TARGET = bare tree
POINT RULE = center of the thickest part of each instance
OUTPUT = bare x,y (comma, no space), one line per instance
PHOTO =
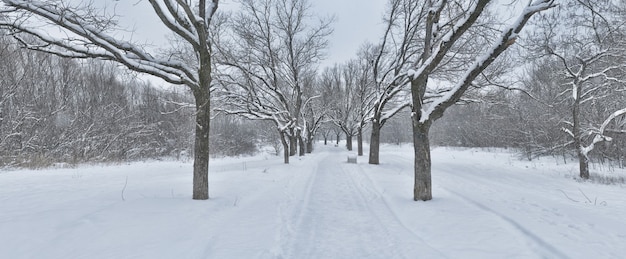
91,35
329,83
347,108
388,61
274,49
359,91
314,114
325,131
445,24
590,50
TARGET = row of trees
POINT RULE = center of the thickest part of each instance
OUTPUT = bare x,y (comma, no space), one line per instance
431,54
261,64
267,68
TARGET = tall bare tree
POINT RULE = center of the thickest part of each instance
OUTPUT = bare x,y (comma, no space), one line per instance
357,78
274,50
388,61
447,23
348,95
87,32
314,112
589,49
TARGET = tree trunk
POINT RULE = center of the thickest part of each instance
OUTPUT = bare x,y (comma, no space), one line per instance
309,147
293,145
359,141
285,147
201,145
583,160
301,146
349,142
325,140
309,143
583,165
375,144
337,138
422,189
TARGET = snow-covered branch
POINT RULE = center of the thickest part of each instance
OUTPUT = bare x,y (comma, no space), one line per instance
608,120
91,40
507,38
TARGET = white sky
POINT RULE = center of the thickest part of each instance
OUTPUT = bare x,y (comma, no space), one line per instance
356,21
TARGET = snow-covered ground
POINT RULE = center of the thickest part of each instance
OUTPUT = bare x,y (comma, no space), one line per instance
486,205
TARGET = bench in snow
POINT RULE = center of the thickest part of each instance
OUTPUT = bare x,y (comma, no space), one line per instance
352,159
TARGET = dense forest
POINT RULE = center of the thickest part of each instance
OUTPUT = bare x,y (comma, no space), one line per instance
56,110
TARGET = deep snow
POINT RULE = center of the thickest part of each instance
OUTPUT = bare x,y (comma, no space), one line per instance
486,205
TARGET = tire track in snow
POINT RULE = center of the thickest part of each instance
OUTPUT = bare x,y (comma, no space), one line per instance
292,211
340,214
272,215
335,221
368,185
531,239
536,241
360,187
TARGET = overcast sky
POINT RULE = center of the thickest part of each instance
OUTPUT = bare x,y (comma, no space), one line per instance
355,22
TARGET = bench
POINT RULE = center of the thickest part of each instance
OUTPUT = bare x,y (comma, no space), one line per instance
352,159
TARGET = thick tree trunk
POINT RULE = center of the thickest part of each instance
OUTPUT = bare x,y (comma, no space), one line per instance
583,165
293,145
375,144
338,135
201,145
349,142
422,189
285,147
325,140
359,141
301,146
309,143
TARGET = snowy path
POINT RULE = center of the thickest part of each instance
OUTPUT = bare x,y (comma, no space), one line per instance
512,210
486,205
340,216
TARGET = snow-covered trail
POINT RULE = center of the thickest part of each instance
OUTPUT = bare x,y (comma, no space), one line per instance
510,208
341,215
486,205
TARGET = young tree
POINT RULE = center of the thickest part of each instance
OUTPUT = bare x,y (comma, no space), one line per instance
90,34
445,24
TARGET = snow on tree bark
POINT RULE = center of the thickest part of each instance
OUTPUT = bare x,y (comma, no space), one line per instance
436,47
